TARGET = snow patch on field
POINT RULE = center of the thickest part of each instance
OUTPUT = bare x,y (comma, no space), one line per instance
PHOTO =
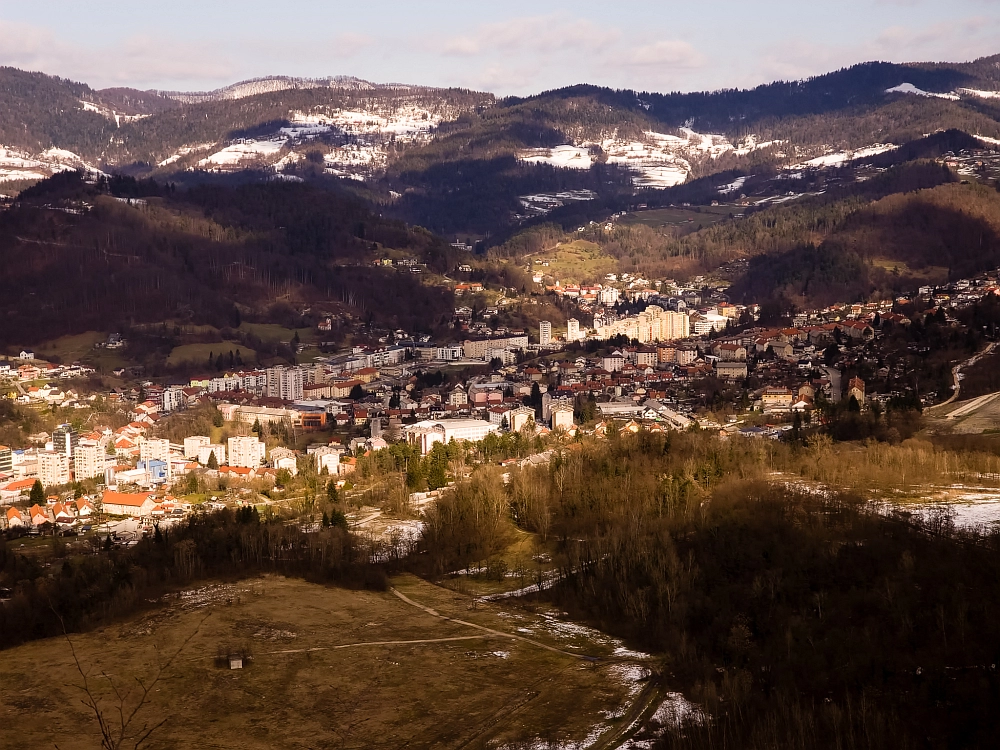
245,151
658,160
980,93
18,165
733,186
540,204
184,151
565,157
838,158
909,88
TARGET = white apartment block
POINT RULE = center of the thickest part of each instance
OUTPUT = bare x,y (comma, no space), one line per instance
194,444
544,332
89,461
206,451
155,450
479,348
653,324
285,383
572,330
173,399
53,468
246,452
608,296
424,434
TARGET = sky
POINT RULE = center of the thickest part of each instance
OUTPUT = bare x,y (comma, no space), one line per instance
515,47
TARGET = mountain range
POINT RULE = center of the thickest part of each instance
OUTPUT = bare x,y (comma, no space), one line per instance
470,166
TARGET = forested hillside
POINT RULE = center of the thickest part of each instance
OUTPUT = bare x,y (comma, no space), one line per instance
75,258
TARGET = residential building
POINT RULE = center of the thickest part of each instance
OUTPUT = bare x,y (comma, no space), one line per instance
544,332
89,461
65,439
572,330
479,348
283,458
194,444
246,451
205,451
614,362
127,504
157,448
328,457
53,468
285,383
731,369
562,416
6,460
647,356
777,399
427,432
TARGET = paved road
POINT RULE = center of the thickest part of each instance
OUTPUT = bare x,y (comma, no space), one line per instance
956,371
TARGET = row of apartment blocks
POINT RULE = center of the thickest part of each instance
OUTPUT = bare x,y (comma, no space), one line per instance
653,324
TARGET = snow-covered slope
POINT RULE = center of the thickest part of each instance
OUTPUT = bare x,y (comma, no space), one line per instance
658,160
909,88
354,142
17,165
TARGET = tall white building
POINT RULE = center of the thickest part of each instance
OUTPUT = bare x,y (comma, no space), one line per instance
156,450
173,399
544,332
218,449
608,296
53,468
572,330
89,460
65,439
285,383
653,324
246,451
194,444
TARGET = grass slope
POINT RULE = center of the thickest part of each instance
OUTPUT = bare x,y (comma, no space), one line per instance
306,685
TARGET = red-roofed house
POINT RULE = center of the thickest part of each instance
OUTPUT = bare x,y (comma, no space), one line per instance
14,518
128,503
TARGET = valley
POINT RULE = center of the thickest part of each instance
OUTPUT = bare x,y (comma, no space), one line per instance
338,413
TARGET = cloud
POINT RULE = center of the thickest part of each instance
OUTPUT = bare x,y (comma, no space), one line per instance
134,60
667,52
544,35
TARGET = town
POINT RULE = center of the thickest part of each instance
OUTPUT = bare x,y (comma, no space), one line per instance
658,356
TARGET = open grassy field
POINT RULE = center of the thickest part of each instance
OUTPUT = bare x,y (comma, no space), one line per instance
929,274
577,262
330,668
70,348
273,333
199,352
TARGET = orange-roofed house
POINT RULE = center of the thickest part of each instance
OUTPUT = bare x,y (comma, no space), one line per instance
83,508
63,513
128,503
38,515
13,490
14,518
